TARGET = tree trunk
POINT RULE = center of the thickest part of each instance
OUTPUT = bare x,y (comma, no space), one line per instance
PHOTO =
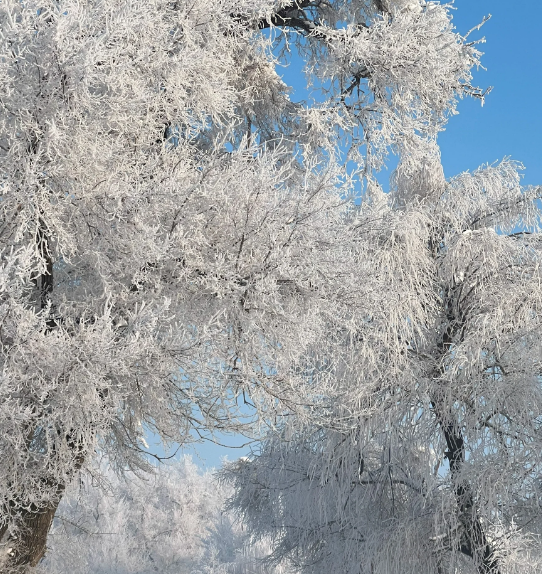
474,542
29,547
30,524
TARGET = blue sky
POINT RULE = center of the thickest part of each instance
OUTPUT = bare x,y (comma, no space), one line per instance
509,124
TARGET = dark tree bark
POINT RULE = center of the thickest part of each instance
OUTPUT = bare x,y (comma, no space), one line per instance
31,523
474,542
291,17
30,545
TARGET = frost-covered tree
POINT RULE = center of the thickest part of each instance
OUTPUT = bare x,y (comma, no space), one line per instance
430,459
132,525
176,235
172,522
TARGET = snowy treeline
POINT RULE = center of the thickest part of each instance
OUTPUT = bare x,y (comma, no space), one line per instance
172,521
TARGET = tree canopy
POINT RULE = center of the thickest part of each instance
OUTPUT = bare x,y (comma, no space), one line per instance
186,250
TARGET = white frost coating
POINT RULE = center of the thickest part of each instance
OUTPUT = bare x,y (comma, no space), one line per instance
150,275
413,62
429,457
398,5
173,522
179,246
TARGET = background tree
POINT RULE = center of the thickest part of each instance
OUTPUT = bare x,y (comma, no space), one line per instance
177,235
172,522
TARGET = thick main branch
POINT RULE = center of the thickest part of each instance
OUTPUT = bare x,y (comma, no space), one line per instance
291,17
